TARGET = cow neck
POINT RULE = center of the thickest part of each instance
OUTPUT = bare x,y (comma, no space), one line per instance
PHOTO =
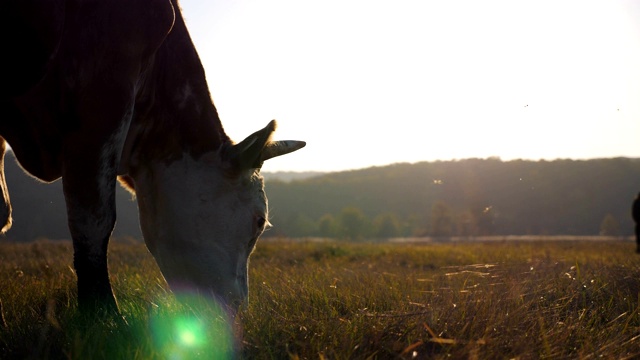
180,117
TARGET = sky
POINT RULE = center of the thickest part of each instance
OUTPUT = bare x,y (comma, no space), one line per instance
370,83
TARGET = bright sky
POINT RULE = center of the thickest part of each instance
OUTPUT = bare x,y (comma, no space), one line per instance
369,82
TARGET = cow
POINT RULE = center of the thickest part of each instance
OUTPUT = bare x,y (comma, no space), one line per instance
99,91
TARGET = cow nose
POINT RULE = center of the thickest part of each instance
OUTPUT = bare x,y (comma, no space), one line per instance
236,304
239,294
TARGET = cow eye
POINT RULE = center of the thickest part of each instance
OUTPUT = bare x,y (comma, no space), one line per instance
261,222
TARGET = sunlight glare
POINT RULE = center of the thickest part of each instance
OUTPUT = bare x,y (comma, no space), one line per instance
437,80
194,328
190,331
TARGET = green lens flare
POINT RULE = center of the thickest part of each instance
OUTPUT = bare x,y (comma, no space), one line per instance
192,329
190,332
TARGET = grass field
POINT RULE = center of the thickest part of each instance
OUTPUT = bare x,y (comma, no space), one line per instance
489,300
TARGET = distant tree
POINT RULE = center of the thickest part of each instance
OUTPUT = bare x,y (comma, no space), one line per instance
483,217
327,226
303,225
466,224
415,225
609,226
441,220
486,221
352,223
386,226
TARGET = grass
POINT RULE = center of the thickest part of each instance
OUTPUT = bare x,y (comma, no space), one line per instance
490,300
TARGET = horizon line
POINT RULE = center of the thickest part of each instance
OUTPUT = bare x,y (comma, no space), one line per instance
498,158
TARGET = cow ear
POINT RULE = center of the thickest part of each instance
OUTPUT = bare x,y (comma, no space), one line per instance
247,153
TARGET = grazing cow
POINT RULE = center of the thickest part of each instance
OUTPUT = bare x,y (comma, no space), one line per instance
95,91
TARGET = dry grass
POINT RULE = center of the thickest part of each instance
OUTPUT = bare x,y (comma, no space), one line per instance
524,300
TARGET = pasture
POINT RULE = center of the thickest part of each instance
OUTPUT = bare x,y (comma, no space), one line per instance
328,300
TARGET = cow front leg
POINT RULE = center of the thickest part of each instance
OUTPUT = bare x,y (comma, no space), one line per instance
89,188
5,203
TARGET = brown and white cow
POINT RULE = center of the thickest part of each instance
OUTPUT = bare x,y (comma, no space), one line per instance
97,90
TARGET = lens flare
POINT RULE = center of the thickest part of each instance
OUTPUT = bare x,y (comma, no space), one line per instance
193,328
190,332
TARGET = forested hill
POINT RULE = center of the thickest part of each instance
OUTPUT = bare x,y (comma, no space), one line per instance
39,209
465,197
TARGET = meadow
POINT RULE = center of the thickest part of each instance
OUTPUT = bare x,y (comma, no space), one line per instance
332,300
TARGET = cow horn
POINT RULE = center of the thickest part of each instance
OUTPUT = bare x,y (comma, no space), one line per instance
251,152
277,148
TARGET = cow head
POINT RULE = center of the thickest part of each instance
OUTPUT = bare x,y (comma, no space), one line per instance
201,217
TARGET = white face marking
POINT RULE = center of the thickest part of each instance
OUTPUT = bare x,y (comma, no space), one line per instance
201,225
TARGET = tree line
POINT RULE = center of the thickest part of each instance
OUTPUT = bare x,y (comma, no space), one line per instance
471,197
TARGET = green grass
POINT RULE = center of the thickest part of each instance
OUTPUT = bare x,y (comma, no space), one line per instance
524,300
